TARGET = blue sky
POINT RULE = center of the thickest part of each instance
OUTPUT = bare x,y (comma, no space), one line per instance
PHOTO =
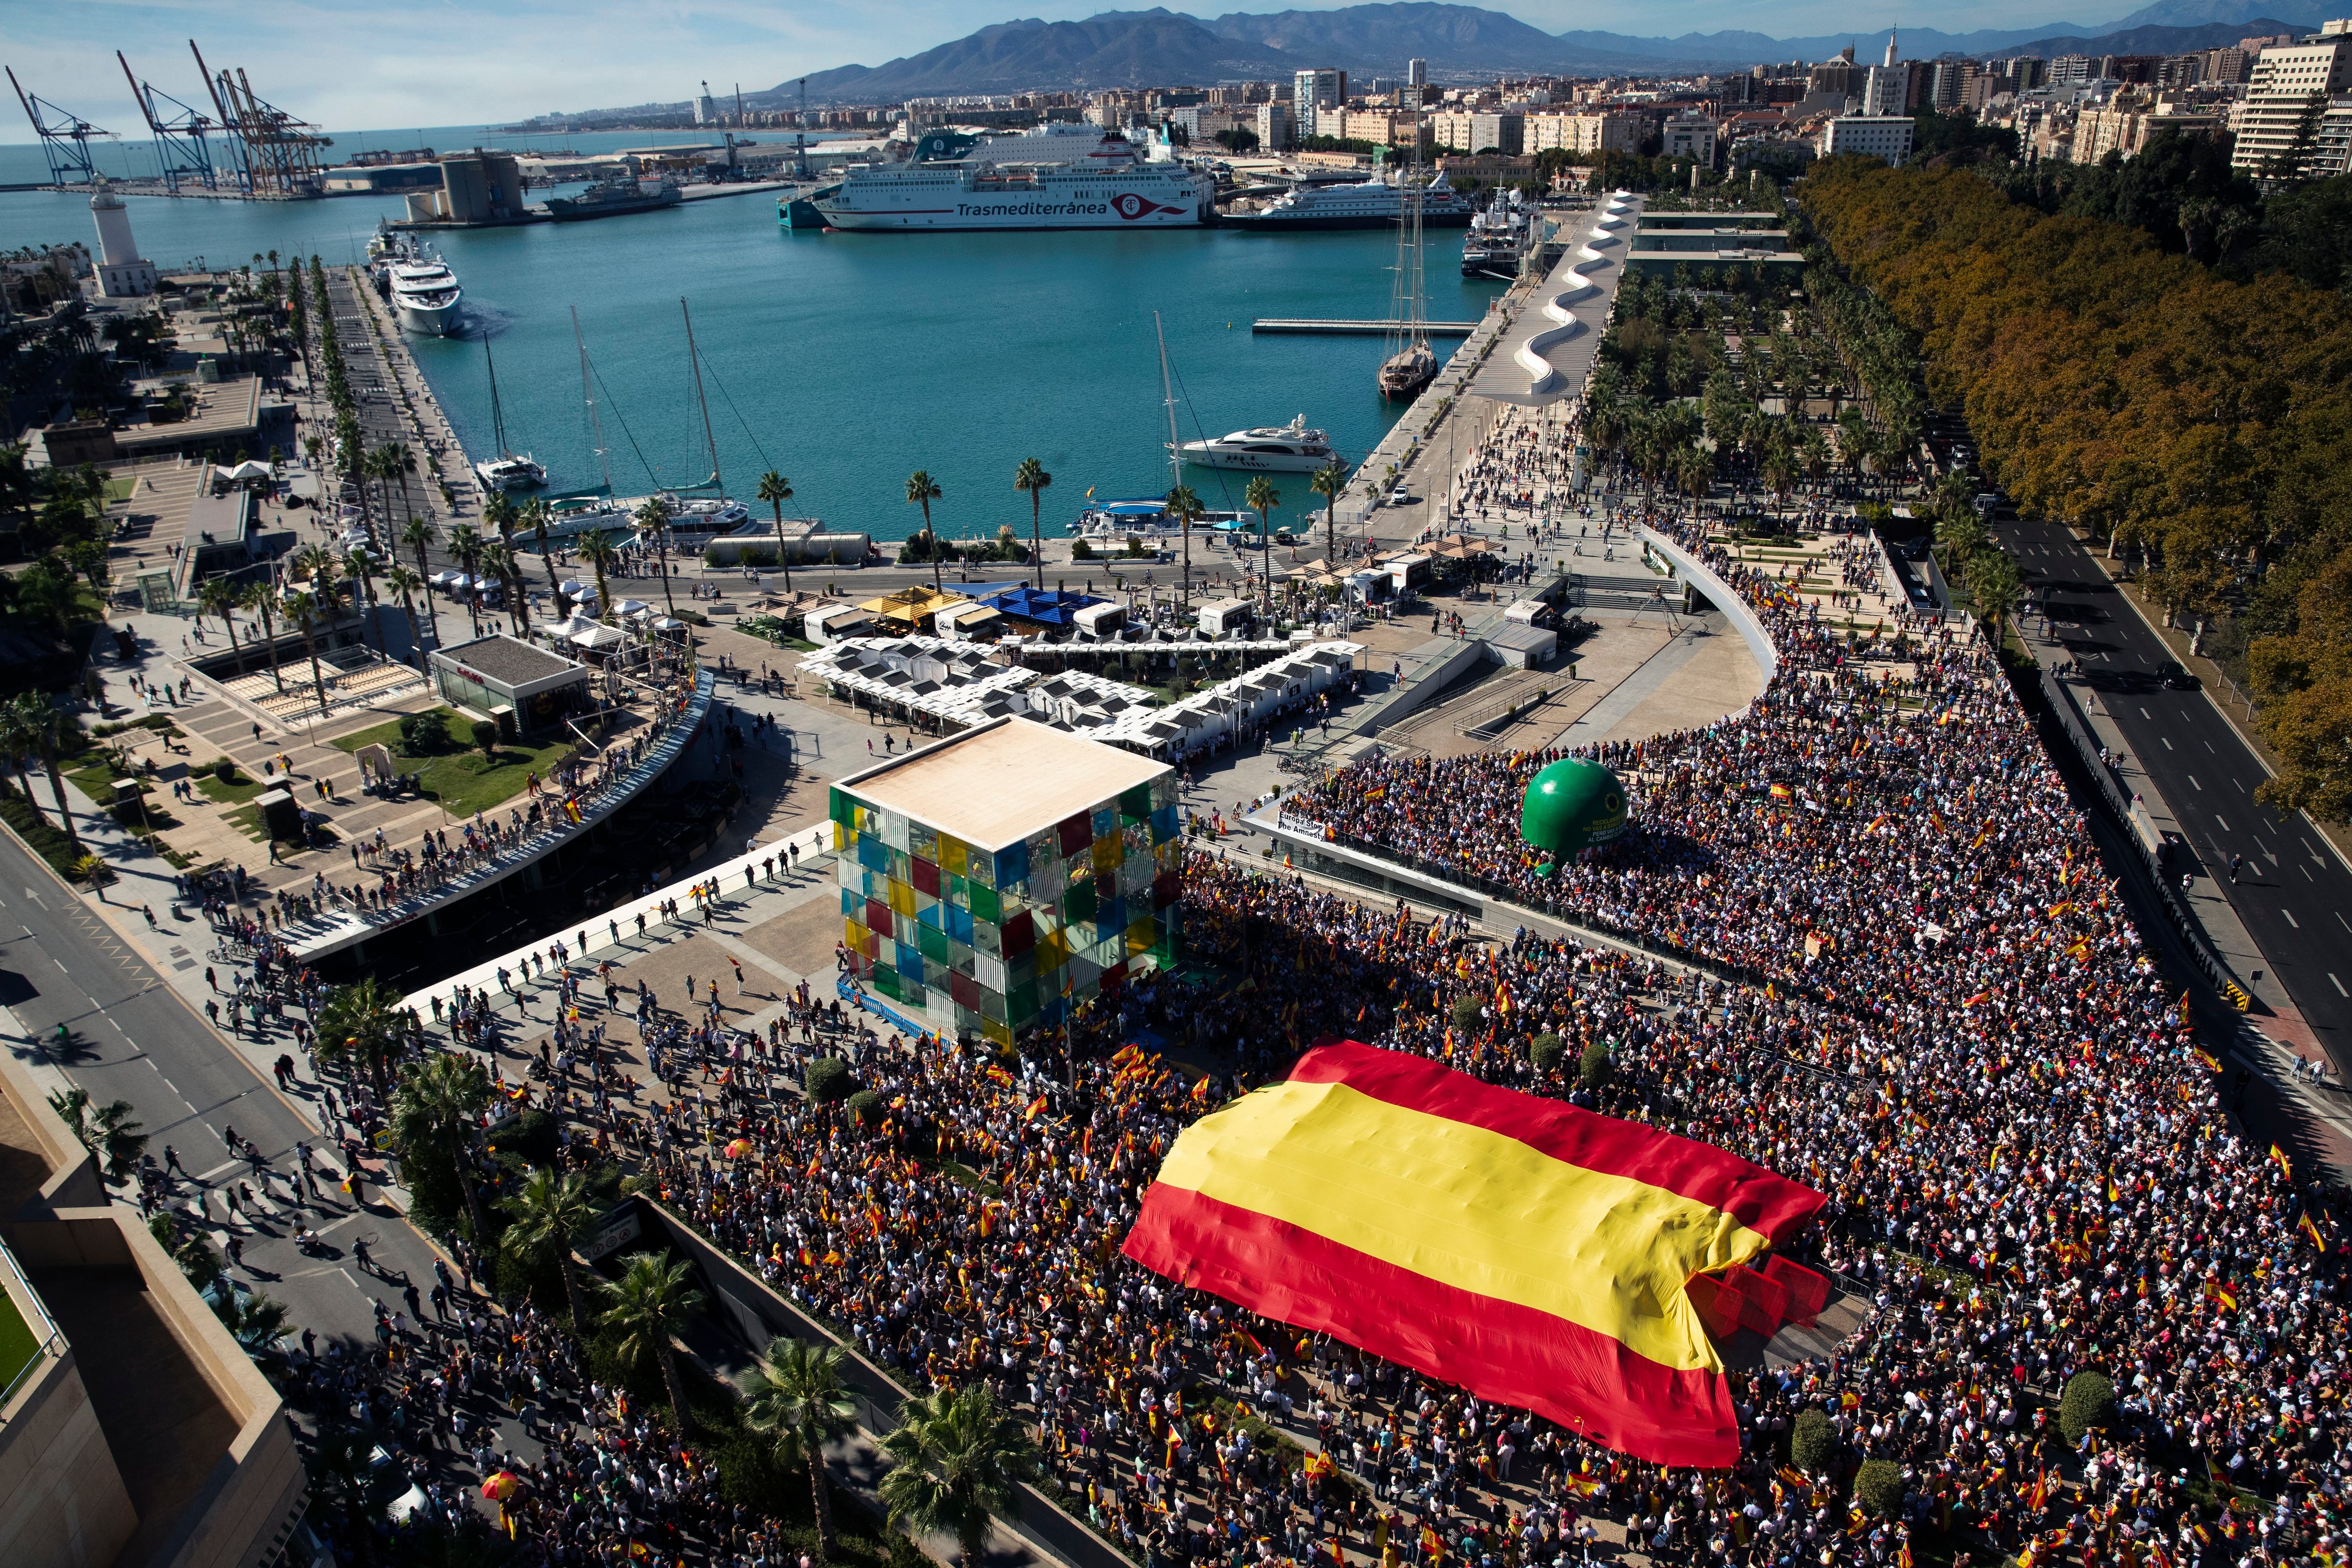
347,65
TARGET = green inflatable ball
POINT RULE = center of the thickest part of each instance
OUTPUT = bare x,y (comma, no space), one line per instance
1571,806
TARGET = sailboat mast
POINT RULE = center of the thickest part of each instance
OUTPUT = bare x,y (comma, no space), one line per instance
694,357
1413,192
1175,454
588,397
497,415
1168,395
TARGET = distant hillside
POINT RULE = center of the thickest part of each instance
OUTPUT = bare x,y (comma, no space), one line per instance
1132,49
2232,13
2156,40
1154,47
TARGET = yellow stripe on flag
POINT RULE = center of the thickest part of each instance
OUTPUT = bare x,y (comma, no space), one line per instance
1458,1204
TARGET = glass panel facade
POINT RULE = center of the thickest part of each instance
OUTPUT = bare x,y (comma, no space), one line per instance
999,941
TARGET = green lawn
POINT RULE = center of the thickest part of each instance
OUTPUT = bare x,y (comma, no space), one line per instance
460,778
17,1345
237,793
119,489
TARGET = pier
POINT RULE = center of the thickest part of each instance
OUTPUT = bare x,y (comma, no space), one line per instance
1309,326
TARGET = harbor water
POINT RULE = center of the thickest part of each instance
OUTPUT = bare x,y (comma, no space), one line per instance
845,362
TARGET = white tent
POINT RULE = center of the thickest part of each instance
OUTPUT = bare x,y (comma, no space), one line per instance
246,470
594,635
631,607
666,623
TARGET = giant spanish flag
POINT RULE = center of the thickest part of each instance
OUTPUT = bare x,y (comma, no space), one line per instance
1531,1252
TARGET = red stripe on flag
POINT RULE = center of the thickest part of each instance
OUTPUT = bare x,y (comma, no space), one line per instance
1498,1350
1769,1204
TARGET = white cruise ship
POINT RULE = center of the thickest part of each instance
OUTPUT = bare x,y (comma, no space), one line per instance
425,293
1376,203
1107,186
1291,448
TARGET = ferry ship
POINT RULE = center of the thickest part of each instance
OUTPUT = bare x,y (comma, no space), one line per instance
1377,203
1291,448
1107,187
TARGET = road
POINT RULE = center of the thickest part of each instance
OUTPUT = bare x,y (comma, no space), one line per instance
2293,894
132,1037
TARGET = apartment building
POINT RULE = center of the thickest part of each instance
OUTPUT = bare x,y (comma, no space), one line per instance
1611,130
1312,94
2286,79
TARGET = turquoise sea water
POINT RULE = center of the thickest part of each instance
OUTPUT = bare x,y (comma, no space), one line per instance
847,361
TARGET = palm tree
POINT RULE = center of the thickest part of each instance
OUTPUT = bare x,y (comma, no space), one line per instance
776,490
361,1024
1262,498
108,1131
303,610
597,549
1184,506
922,489
402,467
499,560
360,567
220,596
466,548
651,1305
18,734
958,1465
653,519
259,598
41,721
794,1392
318,563
441,1099
1032,477
535,514
405,583
418,535
1327,482
549,1212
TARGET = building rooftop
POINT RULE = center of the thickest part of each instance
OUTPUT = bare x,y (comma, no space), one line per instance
506,660
1003,782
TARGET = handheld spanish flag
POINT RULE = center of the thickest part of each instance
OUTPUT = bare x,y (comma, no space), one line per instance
2304,1224
2278,1157
1535,1253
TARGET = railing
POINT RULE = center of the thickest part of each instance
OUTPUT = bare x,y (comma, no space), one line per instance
47,1341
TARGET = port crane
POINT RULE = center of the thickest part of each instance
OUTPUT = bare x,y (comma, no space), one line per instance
65,138
179,131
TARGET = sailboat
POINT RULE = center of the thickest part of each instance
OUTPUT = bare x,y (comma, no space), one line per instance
508,470
1410,365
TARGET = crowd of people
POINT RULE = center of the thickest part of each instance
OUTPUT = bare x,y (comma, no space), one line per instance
1869,945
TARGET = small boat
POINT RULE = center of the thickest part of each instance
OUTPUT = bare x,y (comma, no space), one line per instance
513,472
1407,373
1291,448
1144,517
509,471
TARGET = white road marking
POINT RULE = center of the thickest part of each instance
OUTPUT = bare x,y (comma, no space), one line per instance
2337,983
2192,779
2291,919
2225,826
2167,742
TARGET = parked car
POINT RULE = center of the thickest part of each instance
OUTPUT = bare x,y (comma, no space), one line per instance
2173,676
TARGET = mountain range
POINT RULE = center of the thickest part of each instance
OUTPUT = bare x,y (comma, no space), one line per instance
1140,49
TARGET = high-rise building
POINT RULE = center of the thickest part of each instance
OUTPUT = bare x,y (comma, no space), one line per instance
706,109
1890,50
1274,127
1884,90
1312,91
2290,81
1416,73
